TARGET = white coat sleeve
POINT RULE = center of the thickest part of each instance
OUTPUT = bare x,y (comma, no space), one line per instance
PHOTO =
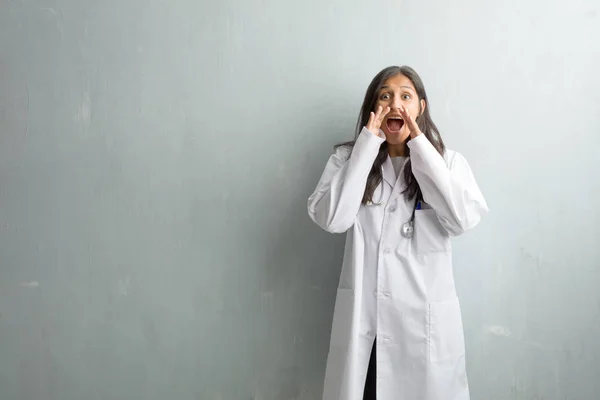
337,198
451,190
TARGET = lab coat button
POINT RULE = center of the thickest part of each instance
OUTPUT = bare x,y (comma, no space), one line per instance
386,251
392,209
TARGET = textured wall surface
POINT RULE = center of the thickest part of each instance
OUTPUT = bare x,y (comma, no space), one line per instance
156,157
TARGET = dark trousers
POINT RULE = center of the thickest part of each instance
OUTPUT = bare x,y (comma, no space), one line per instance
370,386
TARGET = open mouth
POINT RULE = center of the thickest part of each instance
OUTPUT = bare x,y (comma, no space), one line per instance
394,124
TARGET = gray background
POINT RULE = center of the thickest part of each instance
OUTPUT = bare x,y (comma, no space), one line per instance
156,157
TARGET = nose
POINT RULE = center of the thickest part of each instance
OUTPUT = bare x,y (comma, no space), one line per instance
396,102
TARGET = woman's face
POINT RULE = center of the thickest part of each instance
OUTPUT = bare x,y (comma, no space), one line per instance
398,91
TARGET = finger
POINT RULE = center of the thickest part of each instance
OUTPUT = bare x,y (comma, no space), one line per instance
383,113
404,112
371,119
371,116
407,117
413,126
377,112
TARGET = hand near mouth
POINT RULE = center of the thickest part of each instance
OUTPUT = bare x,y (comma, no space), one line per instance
410,122
375,120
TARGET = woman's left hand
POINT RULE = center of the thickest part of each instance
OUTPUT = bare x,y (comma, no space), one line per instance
410,122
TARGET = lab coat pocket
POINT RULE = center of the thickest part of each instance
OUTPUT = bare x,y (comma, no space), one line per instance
446,335
429,235
342,317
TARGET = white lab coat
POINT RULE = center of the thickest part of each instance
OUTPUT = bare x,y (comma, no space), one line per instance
397,289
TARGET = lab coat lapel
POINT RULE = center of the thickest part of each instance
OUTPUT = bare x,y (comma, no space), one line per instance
389,175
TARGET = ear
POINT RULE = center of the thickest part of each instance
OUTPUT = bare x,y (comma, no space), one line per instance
423,105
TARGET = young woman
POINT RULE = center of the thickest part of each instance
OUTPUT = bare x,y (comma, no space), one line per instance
400,195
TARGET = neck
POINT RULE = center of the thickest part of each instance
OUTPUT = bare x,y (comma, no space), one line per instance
397,150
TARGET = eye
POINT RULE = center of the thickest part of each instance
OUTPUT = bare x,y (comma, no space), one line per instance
385,96
406,97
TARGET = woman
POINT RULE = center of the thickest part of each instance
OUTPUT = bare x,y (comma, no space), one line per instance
400,195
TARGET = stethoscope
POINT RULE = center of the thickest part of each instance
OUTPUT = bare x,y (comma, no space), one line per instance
408,228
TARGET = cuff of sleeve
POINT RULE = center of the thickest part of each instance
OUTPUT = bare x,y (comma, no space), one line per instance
419,142
367,142
371,135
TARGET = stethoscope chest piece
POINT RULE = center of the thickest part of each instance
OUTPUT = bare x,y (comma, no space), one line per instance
408,229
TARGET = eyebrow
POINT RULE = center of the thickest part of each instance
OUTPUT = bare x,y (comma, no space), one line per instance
407,87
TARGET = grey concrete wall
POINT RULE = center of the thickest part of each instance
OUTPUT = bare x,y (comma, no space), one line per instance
156,157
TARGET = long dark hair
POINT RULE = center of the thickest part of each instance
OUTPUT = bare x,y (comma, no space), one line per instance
424,122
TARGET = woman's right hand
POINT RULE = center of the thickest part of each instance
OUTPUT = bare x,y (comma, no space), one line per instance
376,119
